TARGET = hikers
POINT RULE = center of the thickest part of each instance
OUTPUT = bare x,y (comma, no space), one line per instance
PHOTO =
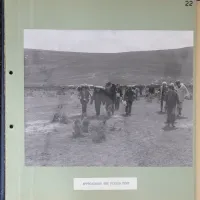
119,95
111,96
182,94
129,97
97,97
172,100
84,96
163,91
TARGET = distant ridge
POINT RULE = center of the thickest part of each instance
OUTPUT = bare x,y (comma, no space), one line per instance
54,68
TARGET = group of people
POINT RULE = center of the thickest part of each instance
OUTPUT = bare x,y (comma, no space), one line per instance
171,97
110,95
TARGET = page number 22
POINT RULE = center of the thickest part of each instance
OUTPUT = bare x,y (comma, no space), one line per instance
188,3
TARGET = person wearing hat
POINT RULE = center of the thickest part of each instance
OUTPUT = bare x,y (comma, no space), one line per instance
152,89
172,100
163,91
97,97
182,94
150,92
84,96
129,97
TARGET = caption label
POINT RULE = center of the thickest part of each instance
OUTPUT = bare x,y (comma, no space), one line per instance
105,183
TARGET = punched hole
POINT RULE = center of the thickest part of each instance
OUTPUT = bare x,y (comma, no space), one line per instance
11,72
11,126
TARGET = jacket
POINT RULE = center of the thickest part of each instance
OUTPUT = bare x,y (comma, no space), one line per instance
182,92
172,99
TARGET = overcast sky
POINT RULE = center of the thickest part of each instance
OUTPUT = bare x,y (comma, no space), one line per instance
106,41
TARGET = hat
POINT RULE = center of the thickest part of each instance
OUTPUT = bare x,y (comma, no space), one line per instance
108,84
177,82
171,86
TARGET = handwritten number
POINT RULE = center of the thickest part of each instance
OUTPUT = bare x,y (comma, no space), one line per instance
188,3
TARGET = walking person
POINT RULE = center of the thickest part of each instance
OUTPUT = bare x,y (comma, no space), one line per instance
136,91
163,91
146,92
172,100
152,90
84,96
129,97
182,94
141,89
158,95
119,95
97,97
110,97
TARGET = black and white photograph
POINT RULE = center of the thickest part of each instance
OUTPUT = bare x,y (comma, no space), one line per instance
108,98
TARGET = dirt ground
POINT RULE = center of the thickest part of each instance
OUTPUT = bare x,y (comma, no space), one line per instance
138,140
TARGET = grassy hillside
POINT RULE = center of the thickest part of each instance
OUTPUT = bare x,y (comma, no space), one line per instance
51,68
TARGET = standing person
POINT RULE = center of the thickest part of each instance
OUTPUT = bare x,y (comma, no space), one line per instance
172,100
141,89
182,93
137,93
146,91
84,95
119,95
163,91
110,96
97,97
129,97
151,90
158,94
135,89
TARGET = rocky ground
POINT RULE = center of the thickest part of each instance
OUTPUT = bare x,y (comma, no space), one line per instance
139,140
